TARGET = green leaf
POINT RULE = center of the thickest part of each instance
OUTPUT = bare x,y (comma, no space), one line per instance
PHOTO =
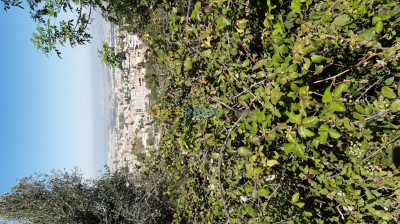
333,133
310,121
323,128
324,191
188,63
296,6
225,21
206,53
319,69
389,81
295,118
295,198
317,58
252,129
323,133
323,136
327,97
307,63
275,95
258,115
292,68
215,155
272,162
298,149
379,27
246,96
263,192
283,49
253,213
241,24
277,58
341,20
357,116
360,109
336,106
376,19
362,9
312,171
368,34
388,92
304,132
244,151
196,12
288,147
258,65
337,93
308,214
222,21
395,106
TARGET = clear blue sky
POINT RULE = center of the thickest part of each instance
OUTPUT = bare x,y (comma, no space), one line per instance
48,106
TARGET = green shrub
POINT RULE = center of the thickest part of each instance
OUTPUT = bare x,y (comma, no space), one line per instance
65,197
309,94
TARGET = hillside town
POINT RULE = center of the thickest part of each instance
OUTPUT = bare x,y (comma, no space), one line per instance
133,131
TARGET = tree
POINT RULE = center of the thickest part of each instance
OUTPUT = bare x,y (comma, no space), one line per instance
51,31
109,57
65,197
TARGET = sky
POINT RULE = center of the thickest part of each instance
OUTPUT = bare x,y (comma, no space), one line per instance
51,109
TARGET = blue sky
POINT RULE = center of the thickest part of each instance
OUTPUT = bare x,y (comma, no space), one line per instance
50,108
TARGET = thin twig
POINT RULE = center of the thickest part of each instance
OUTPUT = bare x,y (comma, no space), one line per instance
370,88
270,196
375,116
245,49
383,147
319,94
221,151
223,64
215,100
337,207
187,13
227,106
254,84
366,57
334,3
285,220
333,77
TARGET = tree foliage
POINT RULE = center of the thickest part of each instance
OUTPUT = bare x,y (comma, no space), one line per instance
109,57
65,197
53,31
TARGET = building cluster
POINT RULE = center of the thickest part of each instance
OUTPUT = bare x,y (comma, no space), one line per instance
133,131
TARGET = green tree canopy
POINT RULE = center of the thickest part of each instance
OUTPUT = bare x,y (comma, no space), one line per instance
53,31
109,57
66,197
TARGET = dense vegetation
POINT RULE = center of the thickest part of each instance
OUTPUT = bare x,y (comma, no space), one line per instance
65,197
309,92
309,95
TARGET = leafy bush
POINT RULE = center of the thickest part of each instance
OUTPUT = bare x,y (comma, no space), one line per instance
65,197
309,94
